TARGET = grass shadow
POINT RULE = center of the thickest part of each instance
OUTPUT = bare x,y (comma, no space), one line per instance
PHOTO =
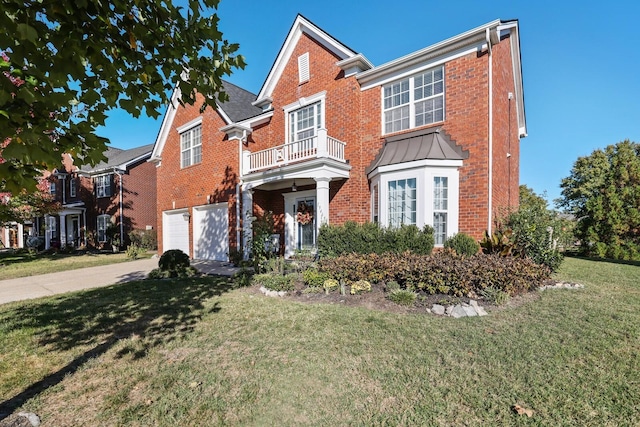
609,260
91,322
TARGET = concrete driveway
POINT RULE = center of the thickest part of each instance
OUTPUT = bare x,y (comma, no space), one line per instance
74,280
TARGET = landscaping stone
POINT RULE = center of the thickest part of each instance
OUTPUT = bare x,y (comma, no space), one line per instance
21,419
458,311
470,311
438,309
271,293
562,285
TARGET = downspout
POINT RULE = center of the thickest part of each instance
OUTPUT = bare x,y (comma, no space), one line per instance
490,201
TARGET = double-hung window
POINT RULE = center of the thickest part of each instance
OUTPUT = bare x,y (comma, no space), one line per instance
402,202
103,223
52,227
304,122
103,186
191,147
440,208
72,187
414,101
52,188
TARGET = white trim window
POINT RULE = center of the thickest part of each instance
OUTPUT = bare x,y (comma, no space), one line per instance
440,208
375,204
102,225
304,122
52,188
191,147
72,187
402,202
103,185
52,227
414,101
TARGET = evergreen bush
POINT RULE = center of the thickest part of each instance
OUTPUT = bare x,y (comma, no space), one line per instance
462,244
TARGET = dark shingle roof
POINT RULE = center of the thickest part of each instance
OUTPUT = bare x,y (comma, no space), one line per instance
117,157
423,144
238,107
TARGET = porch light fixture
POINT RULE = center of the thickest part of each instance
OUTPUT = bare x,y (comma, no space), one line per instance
186,216
294,187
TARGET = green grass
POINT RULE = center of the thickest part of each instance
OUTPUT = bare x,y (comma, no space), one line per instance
23,264
197,352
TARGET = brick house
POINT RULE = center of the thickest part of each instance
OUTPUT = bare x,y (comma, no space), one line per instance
120,191
429,138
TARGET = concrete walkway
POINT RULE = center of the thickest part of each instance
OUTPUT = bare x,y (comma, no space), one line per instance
74,280
94,277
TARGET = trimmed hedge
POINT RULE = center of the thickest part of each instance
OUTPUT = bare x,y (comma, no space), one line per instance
337,240
443,272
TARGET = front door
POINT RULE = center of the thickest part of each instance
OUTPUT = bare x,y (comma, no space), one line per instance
305,219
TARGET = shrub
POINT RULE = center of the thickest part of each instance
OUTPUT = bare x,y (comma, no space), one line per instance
500,242
263,228
243,278
329,285
392,285
133,251
145,239
360,286
156,273
403,297
175,262
462,244
494,295
313,278
274,282
336,240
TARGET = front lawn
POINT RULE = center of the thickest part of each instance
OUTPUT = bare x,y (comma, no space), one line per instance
197,352
14,264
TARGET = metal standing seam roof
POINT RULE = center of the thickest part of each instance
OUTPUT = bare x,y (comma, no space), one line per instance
431,143
238,107
117,157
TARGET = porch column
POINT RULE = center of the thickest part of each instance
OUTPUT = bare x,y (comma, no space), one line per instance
47,232
20,235
63,230
322,194
247,219
5,239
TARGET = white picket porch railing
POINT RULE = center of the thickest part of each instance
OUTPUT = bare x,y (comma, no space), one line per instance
319,146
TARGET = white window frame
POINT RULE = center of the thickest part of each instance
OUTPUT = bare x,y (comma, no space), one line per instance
72,187
424,172
191,146
400,99
52,188
404,215
291,109
440,207
103,185
52,227
105,221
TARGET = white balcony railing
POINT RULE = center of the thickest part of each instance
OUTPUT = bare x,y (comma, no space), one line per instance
319,146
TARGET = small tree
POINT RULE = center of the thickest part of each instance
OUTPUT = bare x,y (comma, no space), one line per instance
603,194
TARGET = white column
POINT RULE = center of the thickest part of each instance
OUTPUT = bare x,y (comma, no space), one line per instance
322,194
322,143
20,235
6,236
63,231
47,232
246,162
247,219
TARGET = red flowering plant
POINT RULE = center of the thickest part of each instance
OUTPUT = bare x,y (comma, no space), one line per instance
305,213
25,206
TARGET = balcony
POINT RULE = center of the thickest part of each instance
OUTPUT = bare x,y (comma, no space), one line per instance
320,146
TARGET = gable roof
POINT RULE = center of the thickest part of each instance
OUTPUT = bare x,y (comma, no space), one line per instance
433,144
239,105
119,159
301,25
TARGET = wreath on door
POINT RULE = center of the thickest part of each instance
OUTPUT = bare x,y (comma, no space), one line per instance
305,213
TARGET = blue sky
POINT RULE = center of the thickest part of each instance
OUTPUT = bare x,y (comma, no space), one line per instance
581,64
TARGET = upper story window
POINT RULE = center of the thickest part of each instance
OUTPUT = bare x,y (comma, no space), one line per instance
304,122
415,101
52,188
103,186
191,147
72,187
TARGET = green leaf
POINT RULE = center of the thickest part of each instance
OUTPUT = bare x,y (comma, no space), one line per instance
27,32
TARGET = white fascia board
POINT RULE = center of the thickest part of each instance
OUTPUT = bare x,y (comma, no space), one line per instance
190,124
223,114
414,67
301,102
124,166
517,78
354,65
165,127
417,164
441,48
253,121
300,26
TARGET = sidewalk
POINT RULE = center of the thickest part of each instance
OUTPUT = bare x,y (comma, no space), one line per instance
74,280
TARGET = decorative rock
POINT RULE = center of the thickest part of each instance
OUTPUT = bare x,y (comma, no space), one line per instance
33,418
562,285
271,293
458,311
470,311
448,310
438,309
481,311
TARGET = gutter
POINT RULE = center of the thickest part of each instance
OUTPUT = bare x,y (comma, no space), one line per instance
490,192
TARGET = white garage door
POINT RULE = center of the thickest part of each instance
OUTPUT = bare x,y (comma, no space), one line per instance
175,231
211,232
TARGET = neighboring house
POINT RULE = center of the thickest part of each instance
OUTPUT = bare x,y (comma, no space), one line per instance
431,138
120,191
